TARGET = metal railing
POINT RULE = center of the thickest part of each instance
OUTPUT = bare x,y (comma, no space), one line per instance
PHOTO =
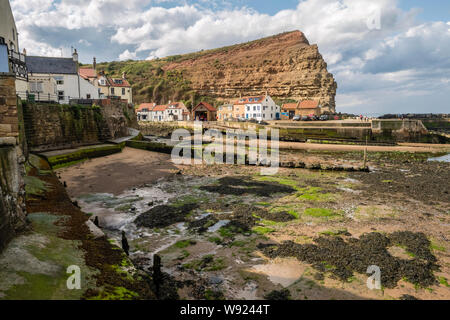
18,64
44,97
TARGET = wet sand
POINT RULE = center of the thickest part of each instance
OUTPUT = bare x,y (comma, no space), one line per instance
116,173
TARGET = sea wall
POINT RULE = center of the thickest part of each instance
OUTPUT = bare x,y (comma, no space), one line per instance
12,160
54,126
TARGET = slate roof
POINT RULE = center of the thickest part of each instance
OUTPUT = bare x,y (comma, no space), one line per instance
51,65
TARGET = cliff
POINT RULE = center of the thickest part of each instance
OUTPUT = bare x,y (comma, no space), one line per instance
285,65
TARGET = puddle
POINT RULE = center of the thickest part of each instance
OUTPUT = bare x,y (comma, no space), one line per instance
445,158
218,225
283,271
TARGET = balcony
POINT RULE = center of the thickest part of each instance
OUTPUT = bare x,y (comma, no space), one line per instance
18,64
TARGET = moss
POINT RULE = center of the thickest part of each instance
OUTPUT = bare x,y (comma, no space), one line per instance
443,281
319,212
314,194
118,293
82,154
35,186
185,243
216,240
262,230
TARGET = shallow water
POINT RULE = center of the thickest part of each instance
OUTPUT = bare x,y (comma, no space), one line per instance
445,158
283,271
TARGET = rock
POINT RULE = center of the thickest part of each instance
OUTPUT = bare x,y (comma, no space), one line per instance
95,231
215,280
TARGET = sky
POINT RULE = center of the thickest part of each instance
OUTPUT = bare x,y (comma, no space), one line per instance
387,56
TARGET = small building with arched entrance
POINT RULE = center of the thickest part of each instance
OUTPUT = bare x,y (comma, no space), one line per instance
204,112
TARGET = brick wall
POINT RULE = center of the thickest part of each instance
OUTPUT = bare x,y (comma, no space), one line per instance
9,124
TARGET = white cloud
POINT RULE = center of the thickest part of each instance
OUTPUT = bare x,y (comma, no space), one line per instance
127,55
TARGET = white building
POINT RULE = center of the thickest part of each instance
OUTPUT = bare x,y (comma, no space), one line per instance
9,42
176,111
259,108
69,84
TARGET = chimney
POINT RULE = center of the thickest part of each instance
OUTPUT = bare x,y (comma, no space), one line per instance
75,55
95,64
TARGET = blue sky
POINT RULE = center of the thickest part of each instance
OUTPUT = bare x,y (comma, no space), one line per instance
387,56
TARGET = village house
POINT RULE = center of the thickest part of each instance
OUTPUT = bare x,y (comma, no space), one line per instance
225,112
158,113
204,112
69,84
176,111
258,108
144,111
118,88
289,110
11,60
309,108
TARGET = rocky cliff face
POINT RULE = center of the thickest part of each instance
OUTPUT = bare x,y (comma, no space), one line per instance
285,65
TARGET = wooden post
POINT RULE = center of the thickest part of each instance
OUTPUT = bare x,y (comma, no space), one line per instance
365,155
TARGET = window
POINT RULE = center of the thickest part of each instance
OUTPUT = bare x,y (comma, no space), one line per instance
60,95
60,82
123,91
14,34
254,108
112,90
88,96
248,108
36,87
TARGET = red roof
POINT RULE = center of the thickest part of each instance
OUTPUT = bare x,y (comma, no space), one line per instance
88,73
290,106
148,106
177,105
124,82
309,104
207,106
249,100
160,108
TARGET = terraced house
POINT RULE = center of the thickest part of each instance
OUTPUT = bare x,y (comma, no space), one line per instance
258,108
176,111
64,71
118,88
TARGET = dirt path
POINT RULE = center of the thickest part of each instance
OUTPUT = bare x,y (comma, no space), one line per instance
116,173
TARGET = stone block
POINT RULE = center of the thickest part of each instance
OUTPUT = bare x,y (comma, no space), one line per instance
5,128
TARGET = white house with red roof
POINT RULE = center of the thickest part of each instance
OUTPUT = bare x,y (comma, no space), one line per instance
261,108
175,111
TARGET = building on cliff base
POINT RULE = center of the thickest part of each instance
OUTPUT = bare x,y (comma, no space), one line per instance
225,112
261,108
175,111
289,110
309,108
204,112
303,108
